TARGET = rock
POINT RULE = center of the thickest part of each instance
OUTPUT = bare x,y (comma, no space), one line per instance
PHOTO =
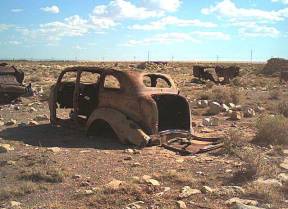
210,121
130,151
243,206
16,108
11,122
114,184
206,189
33,123
269,182
181,204
186,191
146,177
202,103
236,115
32,109
283,177
22,125
39,118
76,176
232,106
153,182
128,158
5,148
11,162
249,113
136,164
2,123
230,190
284,164
84,184
238,107
285,151
260,109
235,200
15,204
88,192
215,108
225,108
54,149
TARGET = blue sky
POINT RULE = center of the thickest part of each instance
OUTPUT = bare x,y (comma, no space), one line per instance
128,29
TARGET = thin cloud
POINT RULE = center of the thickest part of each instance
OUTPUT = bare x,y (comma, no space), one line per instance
52,9
17,10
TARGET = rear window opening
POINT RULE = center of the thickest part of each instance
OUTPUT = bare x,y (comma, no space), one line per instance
156,81
173,112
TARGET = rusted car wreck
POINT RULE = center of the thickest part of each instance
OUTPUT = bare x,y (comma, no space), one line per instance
11,83
222,75
141,108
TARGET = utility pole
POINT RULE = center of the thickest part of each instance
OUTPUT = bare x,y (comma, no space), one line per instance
251,56
148,56
172,59
134,58
217,59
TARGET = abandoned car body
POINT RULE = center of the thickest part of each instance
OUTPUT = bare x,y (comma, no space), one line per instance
138,106
11,83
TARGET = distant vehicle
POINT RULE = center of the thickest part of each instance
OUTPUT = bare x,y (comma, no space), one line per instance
11,84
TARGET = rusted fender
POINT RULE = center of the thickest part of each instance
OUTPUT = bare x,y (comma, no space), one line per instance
126,129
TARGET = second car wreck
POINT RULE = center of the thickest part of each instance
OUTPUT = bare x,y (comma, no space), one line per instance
141,108
11,84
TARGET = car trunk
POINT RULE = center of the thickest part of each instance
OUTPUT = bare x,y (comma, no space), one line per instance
173,112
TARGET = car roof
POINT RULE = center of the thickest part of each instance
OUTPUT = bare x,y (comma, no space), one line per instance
131,80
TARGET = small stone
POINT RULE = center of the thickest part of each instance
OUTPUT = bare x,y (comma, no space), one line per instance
283,177
136,164
232,106
5,148
88,192
225,108
84,184
206,189
215,108
146,177
236,115
11,122
260,109
243,206
76,176
32,109
114,184
284,164
54,149
22,125
202,103
130,151
128,158
269,182
186,191
14,204
153,182
11,162
285,151
213,121
33,123
16,108
235,200
249,113
39,118
181,204
2,123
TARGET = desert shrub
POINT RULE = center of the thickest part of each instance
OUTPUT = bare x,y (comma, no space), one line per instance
51,175
272,130
282,108
17,190
204,95
224,95
275,94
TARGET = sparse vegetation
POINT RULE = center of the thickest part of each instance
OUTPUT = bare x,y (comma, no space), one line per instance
51,175
272,130
282,108
11,191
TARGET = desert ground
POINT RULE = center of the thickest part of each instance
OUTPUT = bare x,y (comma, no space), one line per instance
59,167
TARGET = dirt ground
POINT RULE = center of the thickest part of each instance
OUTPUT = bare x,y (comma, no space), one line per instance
58,167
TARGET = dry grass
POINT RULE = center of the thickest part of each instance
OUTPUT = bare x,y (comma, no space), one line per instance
275,94
17,190
282,108
51,175
272,130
